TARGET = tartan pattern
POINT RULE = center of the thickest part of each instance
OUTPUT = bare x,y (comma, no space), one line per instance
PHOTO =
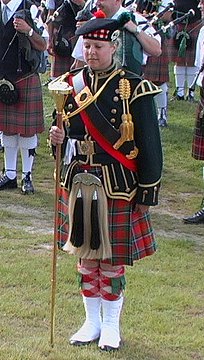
198,136
157,68
60,65
90,279
26,116
107,278
131,233
189,59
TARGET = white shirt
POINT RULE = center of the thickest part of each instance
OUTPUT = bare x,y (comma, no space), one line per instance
199,57
50,4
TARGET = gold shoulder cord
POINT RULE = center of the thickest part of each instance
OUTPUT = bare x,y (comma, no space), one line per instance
127,126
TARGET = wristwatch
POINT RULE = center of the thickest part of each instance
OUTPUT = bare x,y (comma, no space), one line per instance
30,32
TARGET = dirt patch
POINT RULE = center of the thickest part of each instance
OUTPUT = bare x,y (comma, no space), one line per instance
167,222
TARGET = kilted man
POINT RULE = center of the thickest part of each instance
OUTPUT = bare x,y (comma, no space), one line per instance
198,137
182,47
110,176
21,107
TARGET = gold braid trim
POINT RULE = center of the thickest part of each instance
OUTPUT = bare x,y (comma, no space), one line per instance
84,98
145,87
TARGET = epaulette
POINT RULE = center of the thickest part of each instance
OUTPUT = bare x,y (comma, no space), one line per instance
145,87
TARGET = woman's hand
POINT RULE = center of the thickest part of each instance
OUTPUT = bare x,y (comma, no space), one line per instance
57,135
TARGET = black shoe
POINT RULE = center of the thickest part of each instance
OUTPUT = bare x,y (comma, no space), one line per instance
26,185
163,123
6,183
190,97
179,98
197,218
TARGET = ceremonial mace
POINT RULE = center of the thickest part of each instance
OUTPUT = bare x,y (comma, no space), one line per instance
59,89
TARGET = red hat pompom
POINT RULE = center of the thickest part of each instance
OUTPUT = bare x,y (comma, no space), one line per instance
99,14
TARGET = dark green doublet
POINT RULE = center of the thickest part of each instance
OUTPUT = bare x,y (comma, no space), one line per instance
119,182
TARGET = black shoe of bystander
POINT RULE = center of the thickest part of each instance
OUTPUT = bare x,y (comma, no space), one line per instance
26,185
197,218
6,183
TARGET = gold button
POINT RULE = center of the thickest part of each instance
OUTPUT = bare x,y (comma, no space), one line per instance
116,99
113,120
122,73
113,111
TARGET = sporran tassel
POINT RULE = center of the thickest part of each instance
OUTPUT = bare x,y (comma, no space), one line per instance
77,234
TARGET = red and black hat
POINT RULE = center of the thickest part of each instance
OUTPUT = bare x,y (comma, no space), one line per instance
102,28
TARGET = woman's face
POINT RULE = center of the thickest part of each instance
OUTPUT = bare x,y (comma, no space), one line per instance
98,54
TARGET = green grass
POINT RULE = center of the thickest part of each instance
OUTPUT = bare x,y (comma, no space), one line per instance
163,315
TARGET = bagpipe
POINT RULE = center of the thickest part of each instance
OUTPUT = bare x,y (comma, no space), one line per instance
66,13
175,22
156,16
60,11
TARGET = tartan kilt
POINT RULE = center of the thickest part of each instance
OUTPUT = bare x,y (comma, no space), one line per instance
60,65
131,233
198,137
157,68
26,116
189,59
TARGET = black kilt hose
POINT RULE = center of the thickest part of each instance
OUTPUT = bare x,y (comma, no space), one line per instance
130,232
26,116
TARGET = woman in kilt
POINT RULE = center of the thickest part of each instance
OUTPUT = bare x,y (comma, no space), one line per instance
198,136
110,176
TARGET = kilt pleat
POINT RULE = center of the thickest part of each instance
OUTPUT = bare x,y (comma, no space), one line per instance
26,116
157,68
131,234
198,134
60,65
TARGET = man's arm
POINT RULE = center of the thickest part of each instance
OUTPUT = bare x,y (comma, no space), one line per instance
37,41
150,45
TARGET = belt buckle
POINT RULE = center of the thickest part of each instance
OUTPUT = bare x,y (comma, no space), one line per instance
86,147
